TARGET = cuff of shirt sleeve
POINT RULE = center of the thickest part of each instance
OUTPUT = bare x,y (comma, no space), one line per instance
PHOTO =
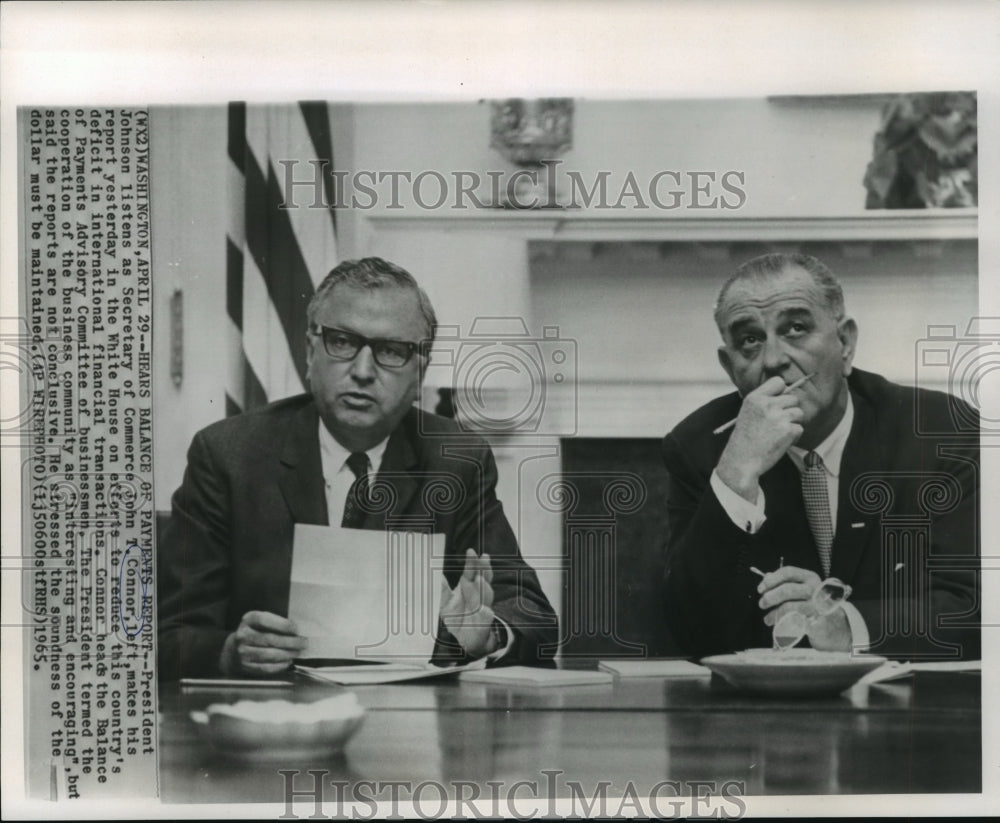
747,516
860,639
500,653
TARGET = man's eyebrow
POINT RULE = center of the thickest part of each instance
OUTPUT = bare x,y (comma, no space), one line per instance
795,312
740,322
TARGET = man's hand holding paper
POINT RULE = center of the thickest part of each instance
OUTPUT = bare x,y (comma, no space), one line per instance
264,643
366,595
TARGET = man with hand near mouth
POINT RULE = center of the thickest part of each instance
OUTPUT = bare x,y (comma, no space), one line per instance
225,560
783,488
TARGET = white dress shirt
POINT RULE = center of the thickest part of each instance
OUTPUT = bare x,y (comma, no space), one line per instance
751,516
337,475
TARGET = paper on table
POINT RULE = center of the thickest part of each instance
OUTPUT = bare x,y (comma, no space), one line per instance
531,676
366,595
384,672
894,670
655,668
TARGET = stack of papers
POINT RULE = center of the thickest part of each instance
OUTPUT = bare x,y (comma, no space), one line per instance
379,673
529,676
655,668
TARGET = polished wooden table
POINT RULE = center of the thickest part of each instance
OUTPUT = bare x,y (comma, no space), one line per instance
921,734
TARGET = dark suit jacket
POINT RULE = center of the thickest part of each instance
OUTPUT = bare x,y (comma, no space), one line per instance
903,498
228,547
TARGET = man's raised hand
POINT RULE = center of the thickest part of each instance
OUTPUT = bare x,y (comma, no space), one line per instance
467,609
768,423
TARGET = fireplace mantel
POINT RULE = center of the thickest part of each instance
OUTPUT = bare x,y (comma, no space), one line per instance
545,268
565,224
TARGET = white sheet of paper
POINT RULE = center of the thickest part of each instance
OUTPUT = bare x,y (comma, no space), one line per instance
385,673
532,676
894,670
655,668
366,595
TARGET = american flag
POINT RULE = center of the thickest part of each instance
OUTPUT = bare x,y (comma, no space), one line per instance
275,257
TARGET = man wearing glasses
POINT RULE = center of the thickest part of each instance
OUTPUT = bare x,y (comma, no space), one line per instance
815,470
225,559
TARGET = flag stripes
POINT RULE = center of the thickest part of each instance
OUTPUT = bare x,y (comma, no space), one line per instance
237,365
275,256
243,383
317,122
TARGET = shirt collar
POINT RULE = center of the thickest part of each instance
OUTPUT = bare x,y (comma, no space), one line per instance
830,450
334,456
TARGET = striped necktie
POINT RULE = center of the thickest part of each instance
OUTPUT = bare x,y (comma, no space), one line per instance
817,500
357,496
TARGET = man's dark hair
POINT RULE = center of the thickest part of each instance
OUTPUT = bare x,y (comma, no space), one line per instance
373,273
768,266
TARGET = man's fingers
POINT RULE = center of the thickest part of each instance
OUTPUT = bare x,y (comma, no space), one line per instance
778,612
789,607
787,574
471,594
786,592
771,387
247,636
487,568
486,594
266,668
785,401
269,622
265,654
471,564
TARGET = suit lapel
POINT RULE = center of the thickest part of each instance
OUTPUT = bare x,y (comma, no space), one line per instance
862,452
300,473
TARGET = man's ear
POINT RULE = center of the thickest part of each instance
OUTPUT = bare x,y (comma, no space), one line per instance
847,331
726,361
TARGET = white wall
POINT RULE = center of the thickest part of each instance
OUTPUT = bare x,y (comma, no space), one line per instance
800,158
188,167
653,321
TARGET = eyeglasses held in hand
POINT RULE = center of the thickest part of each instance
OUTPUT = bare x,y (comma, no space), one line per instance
793,626
345,345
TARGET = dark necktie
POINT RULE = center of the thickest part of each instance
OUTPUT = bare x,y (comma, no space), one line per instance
357,495
817,502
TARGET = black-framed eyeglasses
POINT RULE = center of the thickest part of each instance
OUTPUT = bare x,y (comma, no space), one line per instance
345,345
